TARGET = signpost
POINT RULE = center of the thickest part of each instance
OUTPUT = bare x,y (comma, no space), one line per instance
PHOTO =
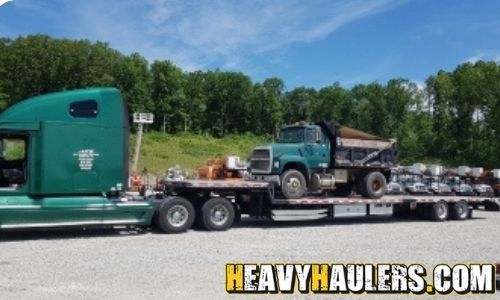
140,119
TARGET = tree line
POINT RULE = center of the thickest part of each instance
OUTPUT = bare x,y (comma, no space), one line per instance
451,119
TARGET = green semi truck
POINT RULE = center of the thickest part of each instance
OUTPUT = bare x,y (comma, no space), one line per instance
325,157
64,162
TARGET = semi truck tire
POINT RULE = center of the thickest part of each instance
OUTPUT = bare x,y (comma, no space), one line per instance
217,214
293,184
373,186
175,215
439,211
460,210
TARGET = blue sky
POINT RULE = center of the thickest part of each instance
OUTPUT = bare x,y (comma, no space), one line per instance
312,42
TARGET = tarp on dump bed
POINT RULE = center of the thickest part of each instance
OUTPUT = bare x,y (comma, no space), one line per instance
351,133
336,130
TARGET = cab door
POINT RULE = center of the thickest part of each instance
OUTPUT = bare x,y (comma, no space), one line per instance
317,151
19,208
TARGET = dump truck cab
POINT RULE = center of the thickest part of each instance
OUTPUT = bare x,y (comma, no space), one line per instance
325,156
63,159
301,147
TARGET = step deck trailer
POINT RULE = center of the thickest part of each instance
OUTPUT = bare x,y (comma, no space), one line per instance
219,203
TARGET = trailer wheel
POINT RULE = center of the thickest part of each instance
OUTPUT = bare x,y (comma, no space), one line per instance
217,214
439,211
373,185
175,215
293,184
460,210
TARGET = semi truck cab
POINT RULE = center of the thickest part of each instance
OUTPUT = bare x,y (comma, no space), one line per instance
63,159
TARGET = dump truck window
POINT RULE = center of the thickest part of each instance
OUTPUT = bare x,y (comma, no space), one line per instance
84,109
291,135
310,135
12,161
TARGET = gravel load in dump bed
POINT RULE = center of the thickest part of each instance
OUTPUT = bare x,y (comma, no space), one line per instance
119,264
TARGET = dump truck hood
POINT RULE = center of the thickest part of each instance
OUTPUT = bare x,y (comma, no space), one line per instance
280,149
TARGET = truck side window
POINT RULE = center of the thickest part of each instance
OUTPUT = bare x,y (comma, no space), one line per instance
84,109
13,161
310,135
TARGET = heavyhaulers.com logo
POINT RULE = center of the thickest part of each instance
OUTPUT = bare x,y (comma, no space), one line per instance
360,278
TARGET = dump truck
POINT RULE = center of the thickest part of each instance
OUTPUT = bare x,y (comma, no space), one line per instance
64,163
326,157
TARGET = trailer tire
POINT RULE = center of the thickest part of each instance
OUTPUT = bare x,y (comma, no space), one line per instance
374,185
175,215
217,214
460,210
293,184
439,211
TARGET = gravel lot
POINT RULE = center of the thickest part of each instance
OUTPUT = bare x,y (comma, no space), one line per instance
120,264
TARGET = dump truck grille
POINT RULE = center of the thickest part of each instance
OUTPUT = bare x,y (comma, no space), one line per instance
261,161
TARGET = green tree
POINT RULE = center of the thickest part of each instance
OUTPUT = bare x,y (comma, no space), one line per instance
168,95
296,105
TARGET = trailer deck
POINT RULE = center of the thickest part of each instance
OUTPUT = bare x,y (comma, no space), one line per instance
320,199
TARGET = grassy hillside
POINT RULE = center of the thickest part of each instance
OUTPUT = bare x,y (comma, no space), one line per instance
161,151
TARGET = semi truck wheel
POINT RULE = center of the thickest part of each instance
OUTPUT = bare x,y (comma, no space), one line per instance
217,214
439,211
373,185
293,184
175,215
460,210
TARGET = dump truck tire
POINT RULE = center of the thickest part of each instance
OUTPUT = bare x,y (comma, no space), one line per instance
217,214
175,215
439,211
374,185
293,184
460,210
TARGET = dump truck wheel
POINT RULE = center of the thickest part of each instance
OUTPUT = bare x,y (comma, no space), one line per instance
460,210
217,214
293,184
374,185
439,211
175,215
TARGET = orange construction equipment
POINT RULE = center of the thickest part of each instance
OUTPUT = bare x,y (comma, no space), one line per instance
217,169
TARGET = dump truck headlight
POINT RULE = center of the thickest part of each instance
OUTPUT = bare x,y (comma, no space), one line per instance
276,164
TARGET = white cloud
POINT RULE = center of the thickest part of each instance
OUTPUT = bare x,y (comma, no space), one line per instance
209,34
485,55
2,2
225,32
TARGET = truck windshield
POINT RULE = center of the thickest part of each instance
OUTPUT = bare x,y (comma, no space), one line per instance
291,135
